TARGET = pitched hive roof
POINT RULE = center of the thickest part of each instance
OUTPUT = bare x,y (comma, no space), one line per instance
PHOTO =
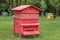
24,6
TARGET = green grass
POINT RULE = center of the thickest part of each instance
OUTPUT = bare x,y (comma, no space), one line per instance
50,29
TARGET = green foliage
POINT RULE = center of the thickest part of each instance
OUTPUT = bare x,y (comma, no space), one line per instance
2,0
30,2
3,6
43,5
55,3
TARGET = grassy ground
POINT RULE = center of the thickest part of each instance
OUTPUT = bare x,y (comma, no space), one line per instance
50,29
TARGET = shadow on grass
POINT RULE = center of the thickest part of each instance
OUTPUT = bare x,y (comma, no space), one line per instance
31,36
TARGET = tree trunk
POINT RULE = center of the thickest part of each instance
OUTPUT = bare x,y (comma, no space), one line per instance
19,2
9,1
16,2
12,3
57,11
25,1
42,13
10,11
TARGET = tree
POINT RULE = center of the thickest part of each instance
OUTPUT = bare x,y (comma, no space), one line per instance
30,2
19,2
25,1
56,4
43,6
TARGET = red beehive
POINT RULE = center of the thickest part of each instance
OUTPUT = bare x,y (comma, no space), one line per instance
26,21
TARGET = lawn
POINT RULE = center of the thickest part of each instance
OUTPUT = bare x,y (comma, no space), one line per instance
50,29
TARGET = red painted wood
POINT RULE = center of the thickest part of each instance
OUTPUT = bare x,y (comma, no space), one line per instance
30,10
26,16
22,7
31,33
26,20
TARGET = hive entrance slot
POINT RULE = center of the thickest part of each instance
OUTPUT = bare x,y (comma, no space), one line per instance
29,30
